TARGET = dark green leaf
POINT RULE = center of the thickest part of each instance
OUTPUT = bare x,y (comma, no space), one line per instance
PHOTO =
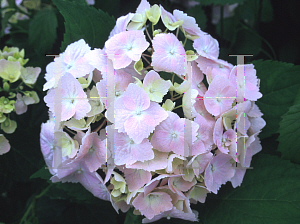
289,143
270,193
42,30
84,22
42,173
132,218
4,20
220,2
279,84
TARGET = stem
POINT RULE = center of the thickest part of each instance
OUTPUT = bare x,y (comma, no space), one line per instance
70,131
177,31
146,59
177,107
31,207
184,41
147,55
101,125
176,98
147,32
152,29
172,84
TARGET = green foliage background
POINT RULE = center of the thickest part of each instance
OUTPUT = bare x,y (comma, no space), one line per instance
268,29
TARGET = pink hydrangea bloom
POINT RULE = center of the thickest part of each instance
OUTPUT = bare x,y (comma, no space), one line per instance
199,162
226,140
22,102
136,115
219,96
4,145
204,137
167,18
218,172
214,67
121,81
160,161
121,24
197,77
92,151
152,204
207,46
128,152
169,135
98,59
178,185
174,213
169,54
125,47
136,179
189,23
72,61
74,99
247,86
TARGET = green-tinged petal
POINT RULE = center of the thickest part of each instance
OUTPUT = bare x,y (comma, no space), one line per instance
138,66
9,126
2,117
191,56
33,95
153,14
168,105
9,70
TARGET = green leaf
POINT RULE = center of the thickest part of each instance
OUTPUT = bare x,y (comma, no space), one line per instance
42,173
219,2
279,84
198,13
247,42
289,143
84,22
42,30
270,193
267,11
132,218
4,20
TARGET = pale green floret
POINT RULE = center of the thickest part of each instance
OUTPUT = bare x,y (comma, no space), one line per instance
168,105
9,126
191,56
6,105
153,14
9,70
156,32
2,117
33,95
138,66
6,87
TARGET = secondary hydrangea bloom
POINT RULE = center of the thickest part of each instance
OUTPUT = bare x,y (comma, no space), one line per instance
137,151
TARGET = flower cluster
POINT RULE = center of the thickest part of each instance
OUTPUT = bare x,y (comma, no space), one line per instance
14,98
161,162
